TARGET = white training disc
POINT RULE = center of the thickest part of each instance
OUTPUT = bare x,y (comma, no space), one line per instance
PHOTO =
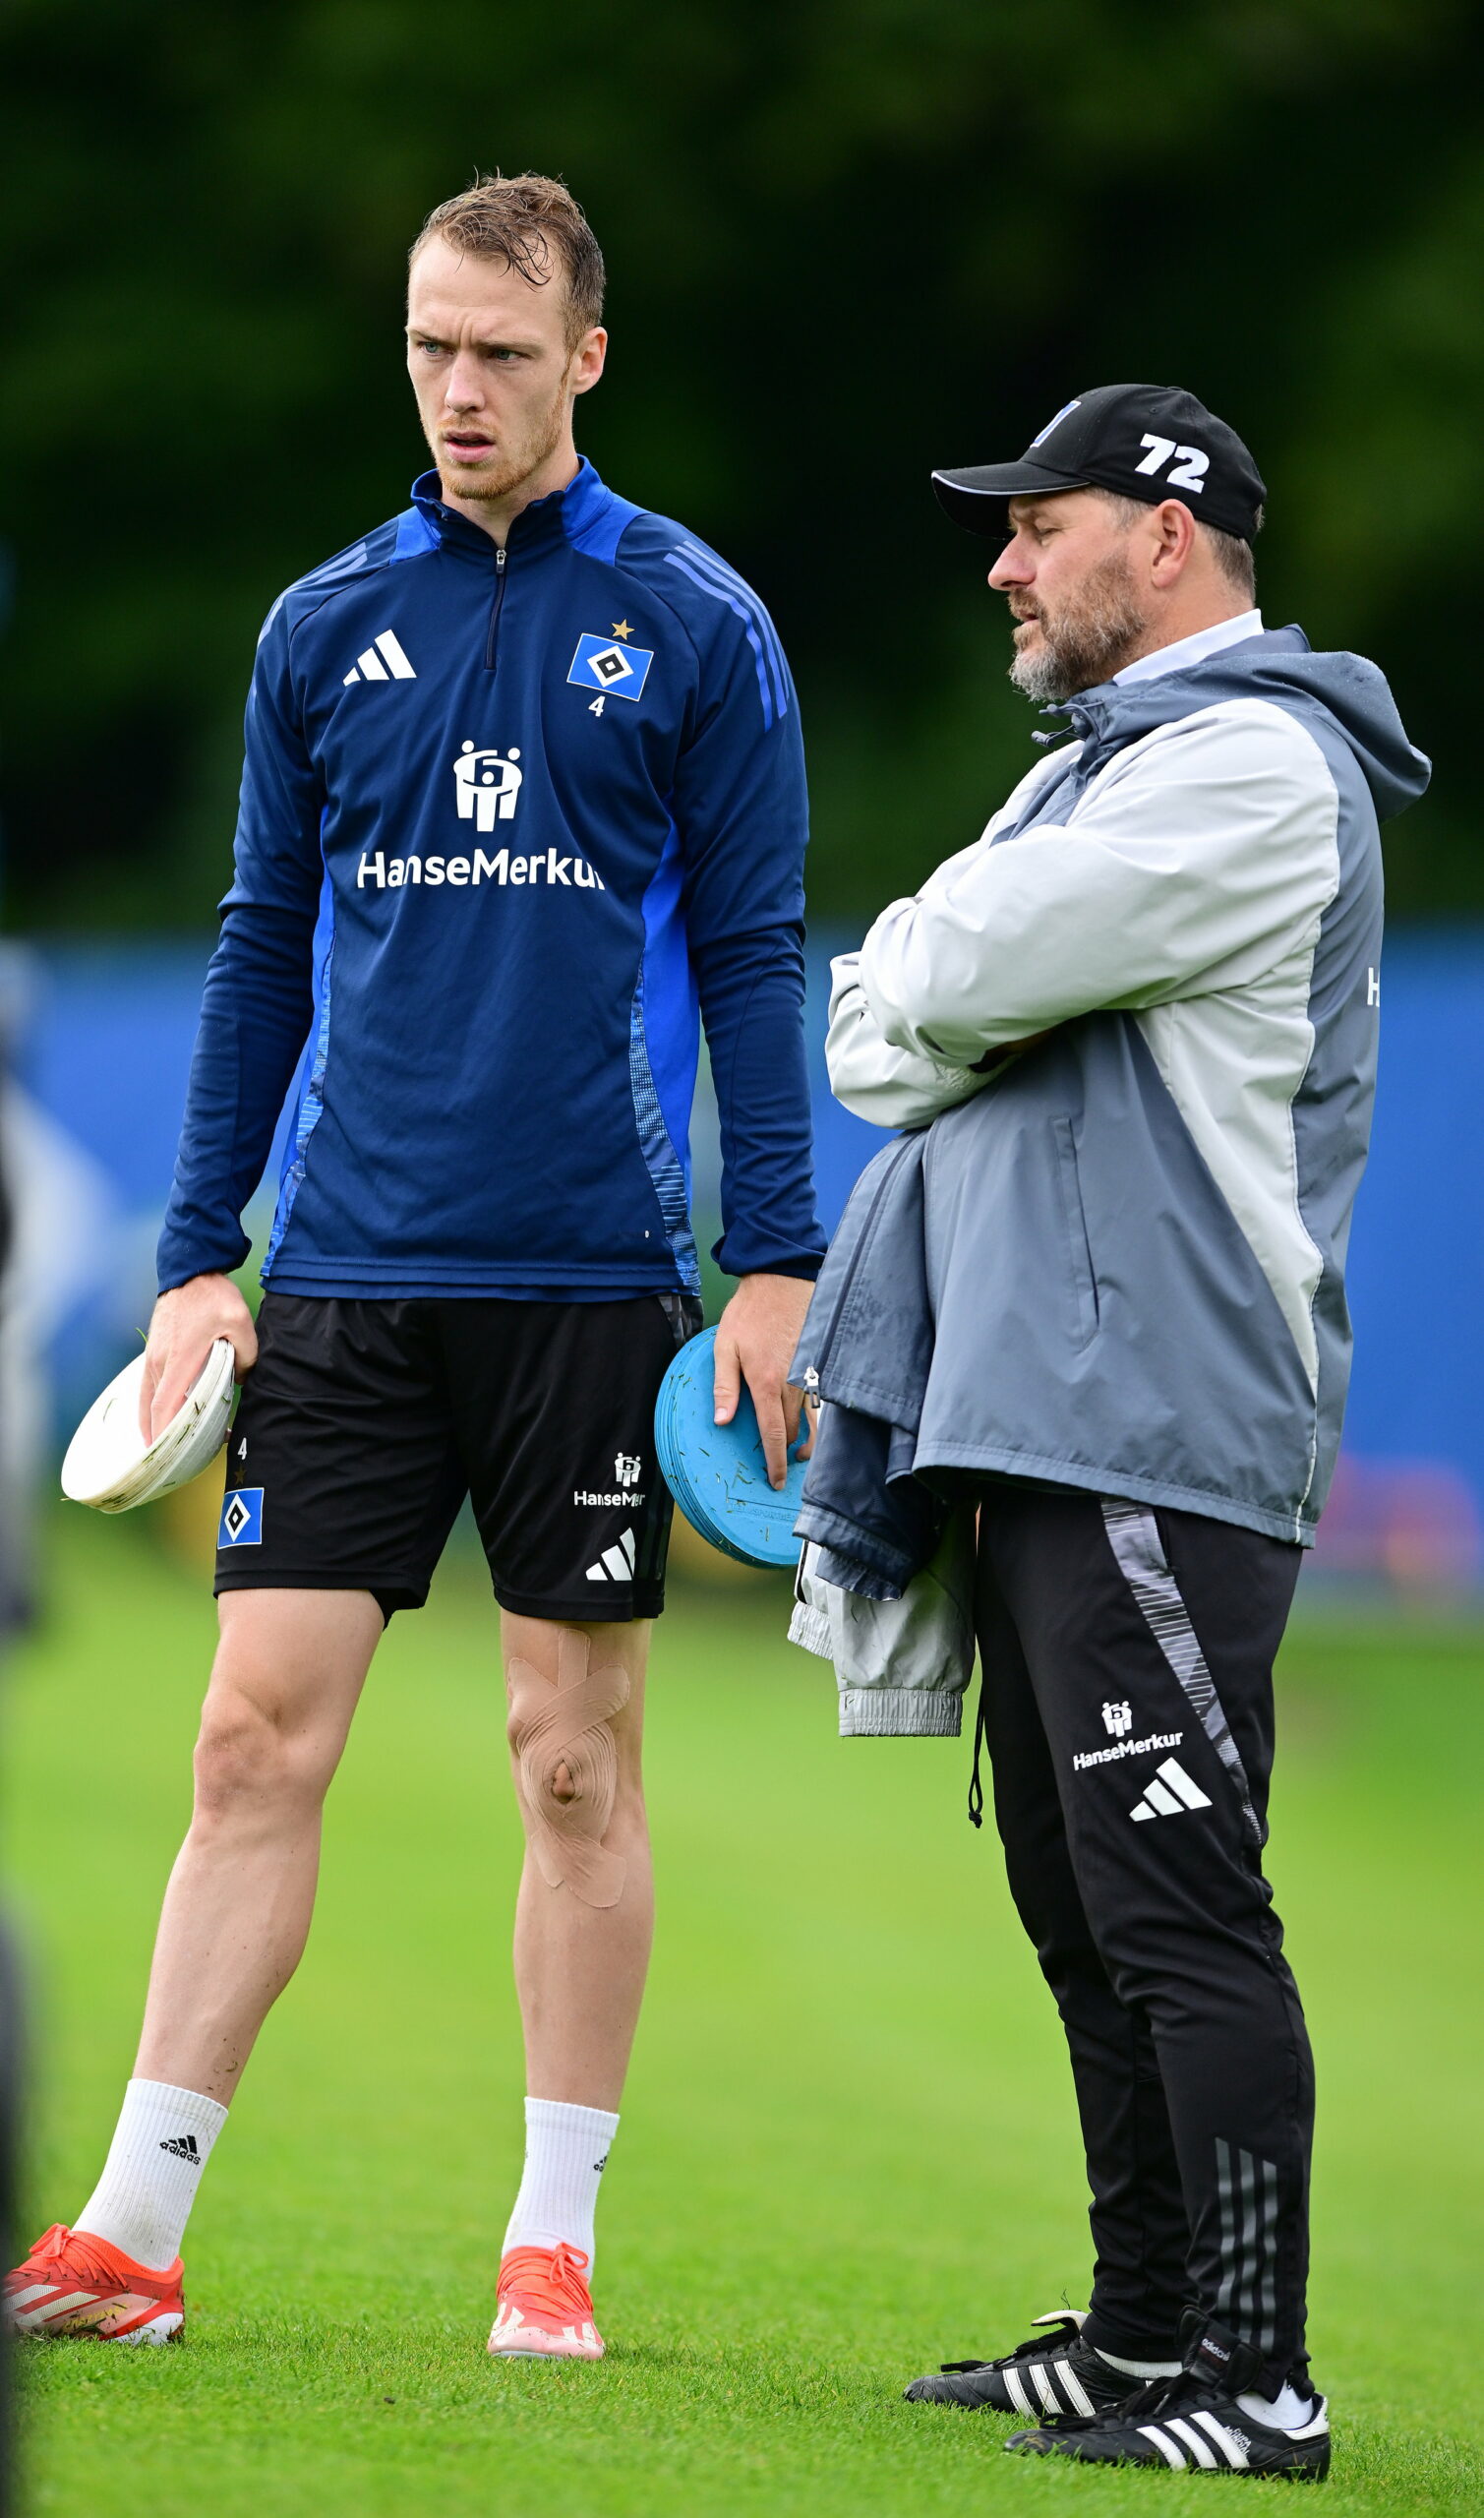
108,1465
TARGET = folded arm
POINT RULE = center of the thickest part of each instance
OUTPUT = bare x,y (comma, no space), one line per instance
1187,867
892,1088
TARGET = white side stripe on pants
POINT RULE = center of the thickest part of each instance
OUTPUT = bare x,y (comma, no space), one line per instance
1134,1537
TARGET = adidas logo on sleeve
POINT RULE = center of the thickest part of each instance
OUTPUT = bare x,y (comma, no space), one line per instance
385,660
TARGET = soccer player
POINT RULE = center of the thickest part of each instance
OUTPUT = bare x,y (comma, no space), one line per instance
524,794
1138,1021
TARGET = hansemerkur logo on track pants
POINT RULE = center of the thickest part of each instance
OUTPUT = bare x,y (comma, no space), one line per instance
487,786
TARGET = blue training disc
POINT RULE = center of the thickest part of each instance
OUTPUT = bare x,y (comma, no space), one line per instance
717,1473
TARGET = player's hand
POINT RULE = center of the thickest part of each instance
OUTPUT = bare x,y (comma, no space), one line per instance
755,1340
186,1324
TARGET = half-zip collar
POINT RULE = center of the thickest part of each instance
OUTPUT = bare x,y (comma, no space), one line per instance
547,524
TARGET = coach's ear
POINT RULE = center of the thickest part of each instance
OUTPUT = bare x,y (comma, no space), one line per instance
1169,532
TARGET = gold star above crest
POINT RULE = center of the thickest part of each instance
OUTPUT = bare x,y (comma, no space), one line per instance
622,629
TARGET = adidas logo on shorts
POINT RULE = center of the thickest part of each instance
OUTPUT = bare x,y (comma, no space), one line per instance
616,1564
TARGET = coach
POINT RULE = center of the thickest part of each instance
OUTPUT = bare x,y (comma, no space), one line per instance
1102,1298
524,799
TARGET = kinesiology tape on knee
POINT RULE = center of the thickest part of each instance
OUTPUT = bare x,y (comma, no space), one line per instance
559,1717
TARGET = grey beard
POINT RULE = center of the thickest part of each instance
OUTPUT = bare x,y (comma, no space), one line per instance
1087,643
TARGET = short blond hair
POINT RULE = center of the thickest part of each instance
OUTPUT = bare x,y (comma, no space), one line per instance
532,223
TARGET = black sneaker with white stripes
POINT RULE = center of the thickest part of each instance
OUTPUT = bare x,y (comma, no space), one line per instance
1055,2373
1193,2420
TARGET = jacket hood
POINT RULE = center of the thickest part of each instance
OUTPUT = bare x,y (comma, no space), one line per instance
1353,691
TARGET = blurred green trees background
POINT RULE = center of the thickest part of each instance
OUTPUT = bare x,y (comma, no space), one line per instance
846,243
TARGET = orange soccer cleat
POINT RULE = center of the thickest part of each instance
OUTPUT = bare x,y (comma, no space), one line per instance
74,2284
545,2309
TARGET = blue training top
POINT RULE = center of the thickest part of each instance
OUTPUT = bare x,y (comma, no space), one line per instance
509,821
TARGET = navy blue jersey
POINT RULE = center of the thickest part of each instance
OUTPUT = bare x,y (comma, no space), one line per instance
511,823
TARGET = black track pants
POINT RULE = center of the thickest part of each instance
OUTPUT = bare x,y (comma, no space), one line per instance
1128,1708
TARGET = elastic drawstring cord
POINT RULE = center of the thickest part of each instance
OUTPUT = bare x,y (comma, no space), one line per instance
976,1789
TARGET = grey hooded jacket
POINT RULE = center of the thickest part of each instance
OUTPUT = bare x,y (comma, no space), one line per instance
1116,1259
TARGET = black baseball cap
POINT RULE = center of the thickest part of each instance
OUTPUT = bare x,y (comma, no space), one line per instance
1149,441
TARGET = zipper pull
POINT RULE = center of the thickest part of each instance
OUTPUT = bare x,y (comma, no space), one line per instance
498,556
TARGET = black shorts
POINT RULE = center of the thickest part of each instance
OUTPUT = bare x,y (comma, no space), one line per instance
365,1423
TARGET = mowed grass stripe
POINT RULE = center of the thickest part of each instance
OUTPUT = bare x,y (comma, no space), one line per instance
847,2148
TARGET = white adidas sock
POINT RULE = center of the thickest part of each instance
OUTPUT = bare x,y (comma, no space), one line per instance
1284,2412
142,2200
566,2154
1139,2369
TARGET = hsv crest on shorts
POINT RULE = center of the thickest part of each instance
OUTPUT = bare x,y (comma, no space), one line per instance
242,1518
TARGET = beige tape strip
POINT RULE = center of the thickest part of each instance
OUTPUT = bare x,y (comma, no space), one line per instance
561,1717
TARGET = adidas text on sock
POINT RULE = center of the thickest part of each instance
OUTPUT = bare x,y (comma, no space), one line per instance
566,2154
142,2200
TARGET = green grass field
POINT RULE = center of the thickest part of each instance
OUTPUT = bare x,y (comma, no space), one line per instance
848,2146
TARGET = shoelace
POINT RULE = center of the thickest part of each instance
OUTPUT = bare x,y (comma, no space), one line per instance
1167,2395
62,2247
1040,2347
550,2281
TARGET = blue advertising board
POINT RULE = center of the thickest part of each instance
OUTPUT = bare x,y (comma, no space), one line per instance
105,1044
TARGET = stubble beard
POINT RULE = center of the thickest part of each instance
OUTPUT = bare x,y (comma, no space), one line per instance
1094,635
508,467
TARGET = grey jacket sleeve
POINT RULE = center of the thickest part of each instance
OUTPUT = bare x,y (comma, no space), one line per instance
892,1088
902,1666
1191,864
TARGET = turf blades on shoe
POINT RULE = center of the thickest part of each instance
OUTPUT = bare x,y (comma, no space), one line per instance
74,2285
1052,2374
